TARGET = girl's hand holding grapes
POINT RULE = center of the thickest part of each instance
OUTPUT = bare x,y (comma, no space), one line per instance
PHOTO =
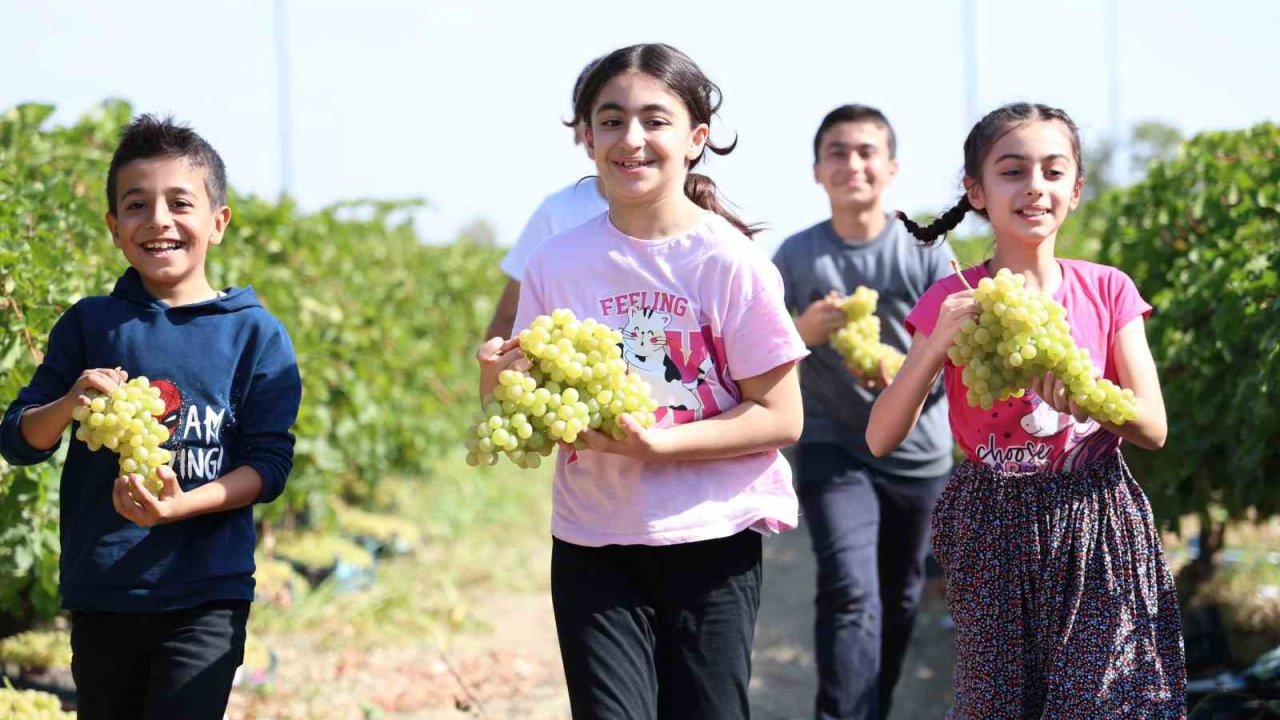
954,311
497,355
638,441
1055,393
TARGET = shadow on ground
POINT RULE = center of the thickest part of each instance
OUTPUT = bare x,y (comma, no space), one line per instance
784,679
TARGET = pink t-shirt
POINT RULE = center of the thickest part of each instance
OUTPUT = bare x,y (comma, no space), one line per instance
1025,434
697,311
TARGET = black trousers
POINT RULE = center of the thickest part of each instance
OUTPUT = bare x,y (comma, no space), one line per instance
870,535
157,666
658,633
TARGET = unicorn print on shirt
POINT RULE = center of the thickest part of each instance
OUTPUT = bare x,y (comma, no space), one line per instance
1082,446
644,347
1043,420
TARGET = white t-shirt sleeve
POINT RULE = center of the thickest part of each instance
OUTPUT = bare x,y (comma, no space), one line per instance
561,211
540,227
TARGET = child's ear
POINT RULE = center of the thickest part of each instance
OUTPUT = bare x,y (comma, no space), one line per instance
973,188
589,139
113,225
698,141
893,168
221,219
1077,192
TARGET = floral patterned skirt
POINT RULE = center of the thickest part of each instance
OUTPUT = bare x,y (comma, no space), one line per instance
1063,604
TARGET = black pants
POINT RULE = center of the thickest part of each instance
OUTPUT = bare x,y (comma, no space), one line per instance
870,534
658,633
157,666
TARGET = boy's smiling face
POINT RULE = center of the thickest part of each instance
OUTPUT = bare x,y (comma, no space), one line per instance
164,224
854,165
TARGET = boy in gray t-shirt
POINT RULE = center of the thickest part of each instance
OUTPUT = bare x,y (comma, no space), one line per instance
868,517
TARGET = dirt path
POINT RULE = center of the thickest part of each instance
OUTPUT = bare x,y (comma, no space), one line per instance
784,679
512,672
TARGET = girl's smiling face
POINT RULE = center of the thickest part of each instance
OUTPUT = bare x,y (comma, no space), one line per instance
1030,181
642,138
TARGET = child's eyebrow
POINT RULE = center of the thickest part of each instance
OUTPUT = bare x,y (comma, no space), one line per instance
1016,156
838,145
651,107
175,190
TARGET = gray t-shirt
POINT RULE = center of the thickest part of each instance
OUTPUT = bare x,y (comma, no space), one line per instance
816,261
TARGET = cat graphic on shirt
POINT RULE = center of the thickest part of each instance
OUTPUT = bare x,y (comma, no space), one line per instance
644,347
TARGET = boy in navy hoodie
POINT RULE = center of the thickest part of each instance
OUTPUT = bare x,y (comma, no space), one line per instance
159,586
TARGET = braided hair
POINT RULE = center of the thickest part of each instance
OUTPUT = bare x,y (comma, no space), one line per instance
984,135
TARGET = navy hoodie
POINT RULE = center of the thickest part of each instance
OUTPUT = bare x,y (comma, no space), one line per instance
229,379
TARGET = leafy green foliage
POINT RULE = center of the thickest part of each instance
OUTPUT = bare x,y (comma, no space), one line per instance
1200,235
381,324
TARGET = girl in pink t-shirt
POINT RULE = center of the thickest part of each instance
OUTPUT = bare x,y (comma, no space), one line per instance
656,559
1063,603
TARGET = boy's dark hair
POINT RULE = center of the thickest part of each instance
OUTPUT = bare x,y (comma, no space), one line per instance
147,137
854,113
981,139
685,80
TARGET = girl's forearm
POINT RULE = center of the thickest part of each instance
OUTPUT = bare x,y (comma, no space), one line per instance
747,428
1148,430
898,408
42,426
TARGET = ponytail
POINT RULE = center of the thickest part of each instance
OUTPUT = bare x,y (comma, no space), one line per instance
702,191
945,222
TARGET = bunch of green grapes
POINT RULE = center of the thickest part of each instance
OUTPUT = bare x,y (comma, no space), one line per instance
579,381
126,423
43,649
1020,335
858,342
31,705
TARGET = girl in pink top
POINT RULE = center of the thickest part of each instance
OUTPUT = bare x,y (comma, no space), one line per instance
1063,604
656,560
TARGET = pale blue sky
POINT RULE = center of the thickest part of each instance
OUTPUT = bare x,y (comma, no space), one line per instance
460,102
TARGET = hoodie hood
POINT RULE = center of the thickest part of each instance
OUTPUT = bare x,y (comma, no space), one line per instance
130,288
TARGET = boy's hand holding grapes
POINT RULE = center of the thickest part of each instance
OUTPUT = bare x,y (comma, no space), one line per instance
822,318
103,380
135,502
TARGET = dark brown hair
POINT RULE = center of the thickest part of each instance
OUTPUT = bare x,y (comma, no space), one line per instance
854,113
981,139
147,137
685,80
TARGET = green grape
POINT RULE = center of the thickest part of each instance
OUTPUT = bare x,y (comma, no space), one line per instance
858,342
578,381
1019,336
37,649
125,421
31,705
